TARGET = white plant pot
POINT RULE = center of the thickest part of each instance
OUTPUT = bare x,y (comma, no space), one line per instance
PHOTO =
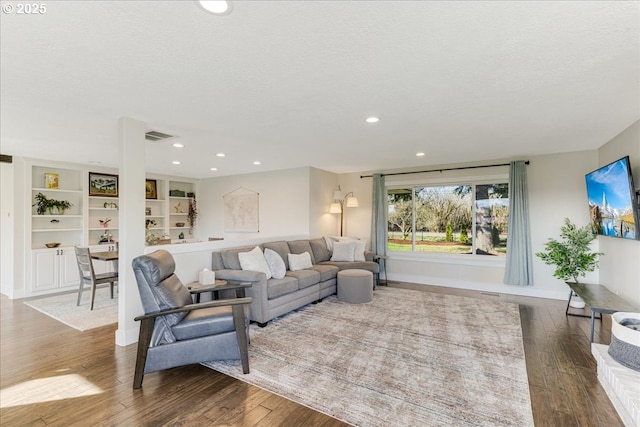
576,302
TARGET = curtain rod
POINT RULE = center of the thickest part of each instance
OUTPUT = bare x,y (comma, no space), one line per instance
443,170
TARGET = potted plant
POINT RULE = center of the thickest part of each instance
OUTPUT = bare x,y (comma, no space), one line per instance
192,216
571,255
51,206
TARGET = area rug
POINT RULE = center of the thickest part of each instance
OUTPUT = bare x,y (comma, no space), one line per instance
408,358
63,308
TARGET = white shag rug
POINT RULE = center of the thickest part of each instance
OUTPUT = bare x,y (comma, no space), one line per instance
408,358
63,308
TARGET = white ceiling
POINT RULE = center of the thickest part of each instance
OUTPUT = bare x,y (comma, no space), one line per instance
290,83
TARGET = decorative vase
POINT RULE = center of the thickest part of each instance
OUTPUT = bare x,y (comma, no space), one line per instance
55,210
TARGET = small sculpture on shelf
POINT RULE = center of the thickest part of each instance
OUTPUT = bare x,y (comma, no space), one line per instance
106,237
150,237
179,208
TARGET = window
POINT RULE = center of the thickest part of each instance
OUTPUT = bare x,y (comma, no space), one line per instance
453,219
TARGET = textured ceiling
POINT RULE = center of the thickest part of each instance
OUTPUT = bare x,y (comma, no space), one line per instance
290,83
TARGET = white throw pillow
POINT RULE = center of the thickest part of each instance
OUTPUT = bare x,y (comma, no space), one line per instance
276,264
332,239
358,252
299,261
254,261
343,251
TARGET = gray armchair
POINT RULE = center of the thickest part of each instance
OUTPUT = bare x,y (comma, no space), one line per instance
176,332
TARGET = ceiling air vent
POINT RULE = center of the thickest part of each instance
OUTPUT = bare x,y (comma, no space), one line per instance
156,136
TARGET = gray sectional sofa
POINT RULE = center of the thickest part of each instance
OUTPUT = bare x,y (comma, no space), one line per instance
275,297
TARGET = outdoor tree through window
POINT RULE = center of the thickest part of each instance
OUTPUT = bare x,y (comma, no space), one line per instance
455,219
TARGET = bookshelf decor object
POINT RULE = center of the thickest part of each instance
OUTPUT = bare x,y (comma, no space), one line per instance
103,184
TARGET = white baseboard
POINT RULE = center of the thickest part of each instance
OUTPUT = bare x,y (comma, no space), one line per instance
528,291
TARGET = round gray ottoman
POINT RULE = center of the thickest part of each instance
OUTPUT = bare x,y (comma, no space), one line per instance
355,286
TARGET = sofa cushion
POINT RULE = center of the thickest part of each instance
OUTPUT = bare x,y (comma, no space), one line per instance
276,264
305,278
279,287
358,251
343,251
299,261
254,261
282,248
327,272
319,250
299,247
330,240
205,322
366,265
230,257
216,261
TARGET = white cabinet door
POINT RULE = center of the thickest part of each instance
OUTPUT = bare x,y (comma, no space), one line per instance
54,269
45,270
68,268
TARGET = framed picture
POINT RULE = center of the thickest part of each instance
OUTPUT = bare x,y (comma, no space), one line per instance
151,189
147,211
103,184
51,180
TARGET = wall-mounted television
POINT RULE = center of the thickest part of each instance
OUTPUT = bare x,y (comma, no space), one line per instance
613,203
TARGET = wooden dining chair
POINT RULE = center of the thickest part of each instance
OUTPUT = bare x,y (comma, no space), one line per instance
88,275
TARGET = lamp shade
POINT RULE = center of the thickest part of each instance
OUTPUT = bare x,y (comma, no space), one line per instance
352,202
335,208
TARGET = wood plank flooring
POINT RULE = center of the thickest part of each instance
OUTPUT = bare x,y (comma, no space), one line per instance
52,374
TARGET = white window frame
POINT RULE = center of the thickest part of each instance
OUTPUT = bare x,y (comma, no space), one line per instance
444,258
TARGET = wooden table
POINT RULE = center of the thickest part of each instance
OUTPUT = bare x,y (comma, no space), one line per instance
219,285
107,256
599,299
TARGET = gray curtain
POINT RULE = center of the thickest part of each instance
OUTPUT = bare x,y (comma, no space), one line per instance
519,269
379,219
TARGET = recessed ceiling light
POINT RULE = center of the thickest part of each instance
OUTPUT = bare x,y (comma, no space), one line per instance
213,169
420,154
217,7
257,163
372,120
178,145
175,162
220,154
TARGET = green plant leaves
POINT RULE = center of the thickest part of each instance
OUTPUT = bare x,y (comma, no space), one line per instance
571,255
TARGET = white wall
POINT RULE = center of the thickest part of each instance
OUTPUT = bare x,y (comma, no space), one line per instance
6,229
12,228
357,221
284,203
557,190
620,265
322,184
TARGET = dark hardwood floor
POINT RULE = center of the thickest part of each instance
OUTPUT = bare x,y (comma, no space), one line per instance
52,374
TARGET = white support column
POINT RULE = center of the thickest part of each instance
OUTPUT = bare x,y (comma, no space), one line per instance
131,144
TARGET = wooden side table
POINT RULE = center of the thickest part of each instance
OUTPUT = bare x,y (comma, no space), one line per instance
381,267
599,299
198,288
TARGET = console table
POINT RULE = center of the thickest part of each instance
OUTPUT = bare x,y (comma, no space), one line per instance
599,299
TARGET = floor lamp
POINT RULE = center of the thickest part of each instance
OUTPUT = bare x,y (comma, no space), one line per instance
340,202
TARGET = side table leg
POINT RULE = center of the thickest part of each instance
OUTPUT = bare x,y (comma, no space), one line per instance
593,315
566,312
